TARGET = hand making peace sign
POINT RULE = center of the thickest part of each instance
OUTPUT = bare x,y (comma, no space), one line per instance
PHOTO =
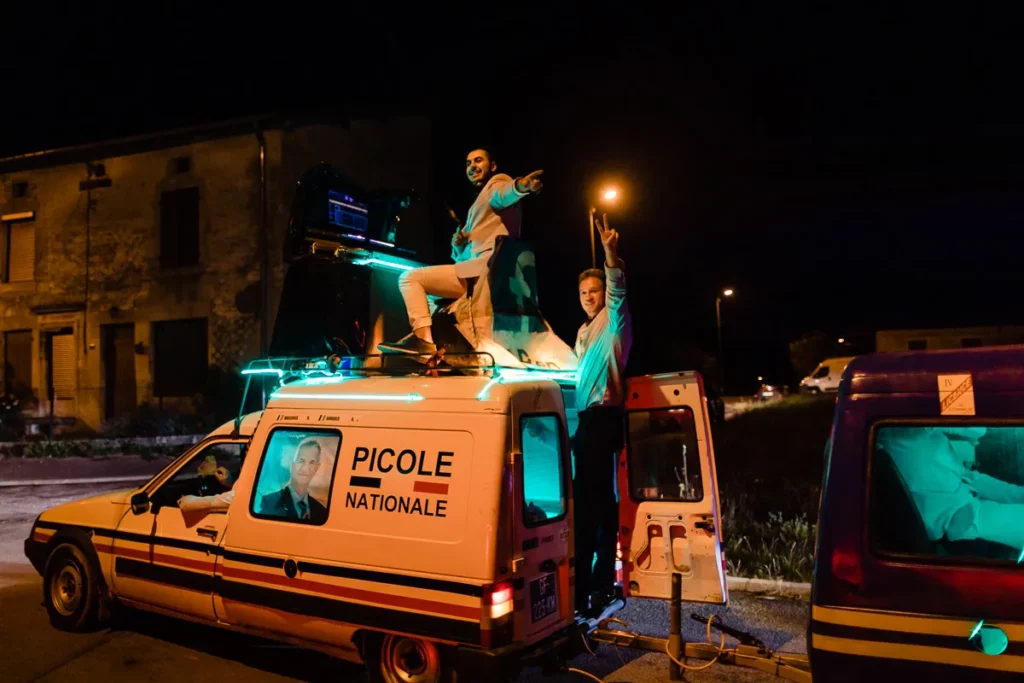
609,240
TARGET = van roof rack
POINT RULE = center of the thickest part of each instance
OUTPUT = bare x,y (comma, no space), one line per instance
286,369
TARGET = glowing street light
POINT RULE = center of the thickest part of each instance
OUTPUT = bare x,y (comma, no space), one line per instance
842,341
610,195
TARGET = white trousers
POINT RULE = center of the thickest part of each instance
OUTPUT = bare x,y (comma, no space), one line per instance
416,284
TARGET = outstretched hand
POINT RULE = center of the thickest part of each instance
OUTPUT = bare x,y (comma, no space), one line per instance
609,240
530,183
459,238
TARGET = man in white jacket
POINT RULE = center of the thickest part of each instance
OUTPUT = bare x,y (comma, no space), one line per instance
602,347
494,212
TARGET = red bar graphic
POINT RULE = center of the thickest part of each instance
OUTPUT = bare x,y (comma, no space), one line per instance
430,487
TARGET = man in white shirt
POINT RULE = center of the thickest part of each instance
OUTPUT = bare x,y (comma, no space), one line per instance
602,350
494,212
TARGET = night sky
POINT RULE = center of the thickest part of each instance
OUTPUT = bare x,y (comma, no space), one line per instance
843,171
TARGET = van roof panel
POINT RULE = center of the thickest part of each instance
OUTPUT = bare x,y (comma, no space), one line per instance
993,369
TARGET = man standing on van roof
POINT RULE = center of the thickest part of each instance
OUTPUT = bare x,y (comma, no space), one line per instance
602,347
494,212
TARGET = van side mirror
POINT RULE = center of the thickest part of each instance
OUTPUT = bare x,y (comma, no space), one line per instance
140,503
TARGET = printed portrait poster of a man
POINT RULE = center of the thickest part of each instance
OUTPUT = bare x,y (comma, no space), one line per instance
294,480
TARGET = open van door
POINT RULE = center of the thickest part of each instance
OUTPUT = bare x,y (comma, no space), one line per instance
669,517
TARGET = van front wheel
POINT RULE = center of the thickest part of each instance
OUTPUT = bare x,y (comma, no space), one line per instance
401,659
70,589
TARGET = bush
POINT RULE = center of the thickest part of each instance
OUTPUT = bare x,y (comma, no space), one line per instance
87,449
778,549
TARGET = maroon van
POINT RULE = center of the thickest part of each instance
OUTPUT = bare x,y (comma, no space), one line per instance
919,567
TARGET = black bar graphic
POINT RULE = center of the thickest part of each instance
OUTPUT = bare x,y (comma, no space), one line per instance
365,482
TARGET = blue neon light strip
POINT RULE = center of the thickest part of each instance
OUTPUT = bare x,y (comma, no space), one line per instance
1021,558
532,374
386,244
354,237
350,397
263,371
382,264
487,387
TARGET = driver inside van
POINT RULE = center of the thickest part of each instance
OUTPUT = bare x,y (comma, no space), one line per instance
956,502
219,501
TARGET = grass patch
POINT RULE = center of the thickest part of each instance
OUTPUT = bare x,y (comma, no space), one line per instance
769,464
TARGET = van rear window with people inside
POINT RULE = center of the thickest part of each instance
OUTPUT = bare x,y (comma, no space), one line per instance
664,462
950,491
294,479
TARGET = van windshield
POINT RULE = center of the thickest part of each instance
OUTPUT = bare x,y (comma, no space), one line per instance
949,490
664,461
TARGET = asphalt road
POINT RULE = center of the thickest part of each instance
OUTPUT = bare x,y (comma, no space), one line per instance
158,649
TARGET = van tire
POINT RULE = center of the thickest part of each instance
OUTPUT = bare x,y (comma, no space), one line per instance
393,658
71,589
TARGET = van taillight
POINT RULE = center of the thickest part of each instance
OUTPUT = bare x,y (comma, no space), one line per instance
500,598
846,566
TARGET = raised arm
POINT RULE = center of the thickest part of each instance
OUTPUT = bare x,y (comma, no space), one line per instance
614,269
505,193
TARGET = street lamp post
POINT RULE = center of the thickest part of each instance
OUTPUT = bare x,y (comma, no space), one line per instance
593,248
721,353
608,196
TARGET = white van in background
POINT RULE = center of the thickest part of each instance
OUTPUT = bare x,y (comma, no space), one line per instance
825,377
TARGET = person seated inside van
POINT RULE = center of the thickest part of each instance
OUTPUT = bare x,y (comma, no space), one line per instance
956,502
219,501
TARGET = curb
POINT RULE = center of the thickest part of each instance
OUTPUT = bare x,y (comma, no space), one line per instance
783,589
66,482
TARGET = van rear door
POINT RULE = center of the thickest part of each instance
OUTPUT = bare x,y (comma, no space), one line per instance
541,514
669,515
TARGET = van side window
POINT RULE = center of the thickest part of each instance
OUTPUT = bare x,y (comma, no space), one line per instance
948,491
198,477
543,474
295,476
664,460
822,372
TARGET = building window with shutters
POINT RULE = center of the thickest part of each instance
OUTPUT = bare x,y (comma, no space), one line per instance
180,357
179,228
19,245
62,365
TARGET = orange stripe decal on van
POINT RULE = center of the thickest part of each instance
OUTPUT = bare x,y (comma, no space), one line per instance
344,592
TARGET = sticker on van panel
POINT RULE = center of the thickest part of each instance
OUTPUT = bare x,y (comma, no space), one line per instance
956,395
407,473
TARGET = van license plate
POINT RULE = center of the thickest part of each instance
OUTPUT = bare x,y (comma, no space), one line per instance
543,600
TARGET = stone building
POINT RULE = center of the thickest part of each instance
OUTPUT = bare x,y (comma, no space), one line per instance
130,268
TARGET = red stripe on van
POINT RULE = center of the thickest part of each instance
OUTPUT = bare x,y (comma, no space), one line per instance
400,601
430,487
162,558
